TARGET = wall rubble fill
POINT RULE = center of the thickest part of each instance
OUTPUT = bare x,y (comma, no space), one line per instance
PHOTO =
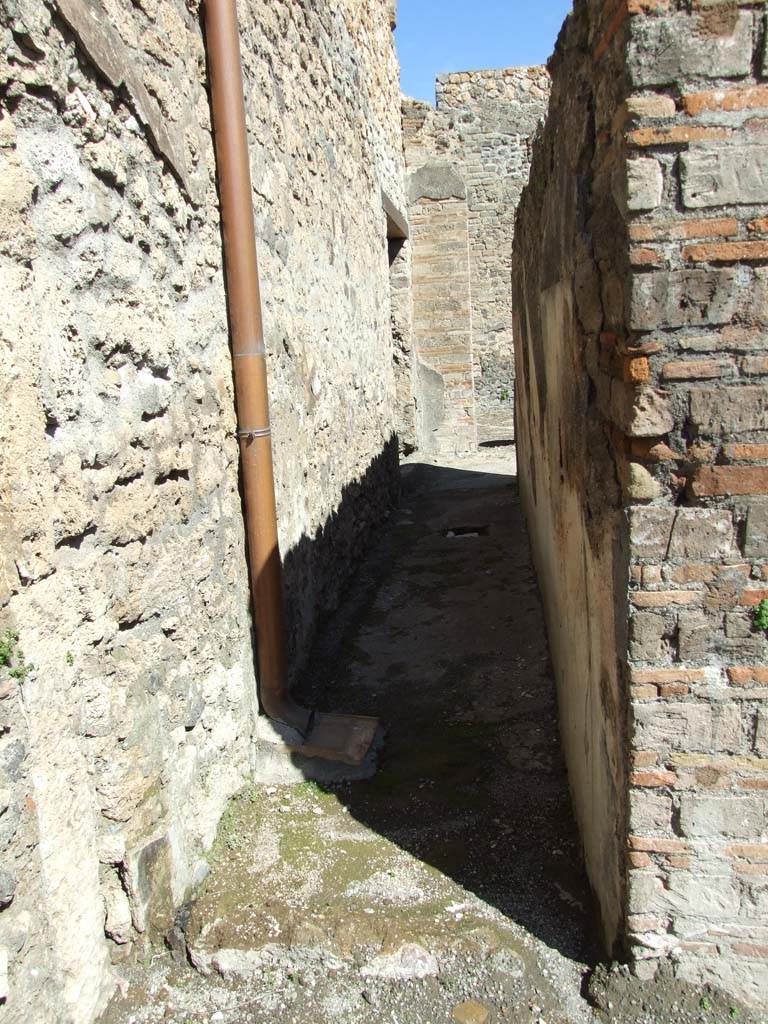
122,567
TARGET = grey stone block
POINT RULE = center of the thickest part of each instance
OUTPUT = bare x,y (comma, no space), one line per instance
760,745
435,181
756,533
649,812
732,175
663,50
732,816
701,533
684,297
645,183
688,727
649,530
696,635
733,410
646,636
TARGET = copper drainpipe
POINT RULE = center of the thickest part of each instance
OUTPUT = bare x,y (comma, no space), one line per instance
249,360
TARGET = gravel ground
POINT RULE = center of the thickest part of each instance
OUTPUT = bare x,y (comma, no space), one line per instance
448,887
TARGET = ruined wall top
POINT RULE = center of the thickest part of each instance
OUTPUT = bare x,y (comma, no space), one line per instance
462,90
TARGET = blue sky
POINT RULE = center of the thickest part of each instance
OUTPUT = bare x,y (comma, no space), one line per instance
456,35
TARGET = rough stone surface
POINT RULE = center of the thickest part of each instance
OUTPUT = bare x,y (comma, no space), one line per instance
474,146
608,391
129,722
723,177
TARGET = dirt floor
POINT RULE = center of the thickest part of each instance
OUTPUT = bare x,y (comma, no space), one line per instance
448,887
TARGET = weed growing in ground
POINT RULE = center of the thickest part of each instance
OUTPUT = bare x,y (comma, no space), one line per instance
310,788
504,395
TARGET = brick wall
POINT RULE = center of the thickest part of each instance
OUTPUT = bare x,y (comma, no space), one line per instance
441,311
641,313
481,130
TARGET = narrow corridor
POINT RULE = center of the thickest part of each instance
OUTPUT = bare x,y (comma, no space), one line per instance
448,886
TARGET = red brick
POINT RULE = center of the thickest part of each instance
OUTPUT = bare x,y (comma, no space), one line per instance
652,844
754,365
639,860
652,450
746,452
675,135
760,224
691,573
644,758
694,369
674,690
744,868
725,252
753,783
645,348
712,480
745,98
750,949
636,370
643,692
748,675
757,852
643,257
661,598
753,596
653,780
671,230
667,675
679,862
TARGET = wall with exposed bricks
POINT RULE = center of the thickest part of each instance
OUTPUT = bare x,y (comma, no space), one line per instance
641,320
480,132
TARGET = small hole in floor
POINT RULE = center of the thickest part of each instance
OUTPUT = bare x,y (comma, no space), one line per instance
502,443
466,531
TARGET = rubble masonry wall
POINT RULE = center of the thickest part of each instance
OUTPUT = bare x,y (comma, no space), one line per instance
122,564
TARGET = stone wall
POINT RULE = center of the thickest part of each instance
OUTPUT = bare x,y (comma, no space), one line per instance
127,690
480,132
641,312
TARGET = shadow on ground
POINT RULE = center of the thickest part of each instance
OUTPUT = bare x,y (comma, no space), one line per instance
447,886
442,637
